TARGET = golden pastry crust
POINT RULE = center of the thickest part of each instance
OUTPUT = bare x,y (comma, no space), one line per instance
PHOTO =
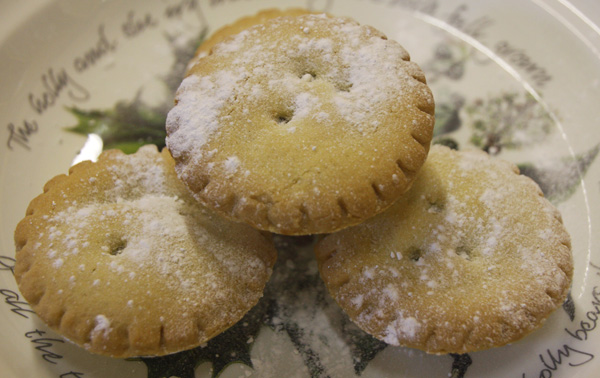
121,260
302,125
472,257
240,25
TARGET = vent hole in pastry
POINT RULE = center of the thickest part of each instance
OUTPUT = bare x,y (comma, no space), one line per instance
283,117
308,76
464,252
414,253
343,86
117,246
435,207
283,120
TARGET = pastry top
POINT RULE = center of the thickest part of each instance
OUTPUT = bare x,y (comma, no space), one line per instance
301,125
472,257
120,259
240,25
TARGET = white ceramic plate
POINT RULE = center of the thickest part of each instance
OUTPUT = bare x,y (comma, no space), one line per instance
518,78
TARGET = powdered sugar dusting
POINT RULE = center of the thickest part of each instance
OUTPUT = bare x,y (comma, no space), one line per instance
157,238
305,105
366,74
134,174
367,66
401,329
199,102
136,235
101,326
471,234
231,164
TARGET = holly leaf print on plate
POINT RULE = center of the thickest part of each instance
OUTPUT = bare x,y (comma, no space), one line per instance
559,178
509,120
232,346
132,123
